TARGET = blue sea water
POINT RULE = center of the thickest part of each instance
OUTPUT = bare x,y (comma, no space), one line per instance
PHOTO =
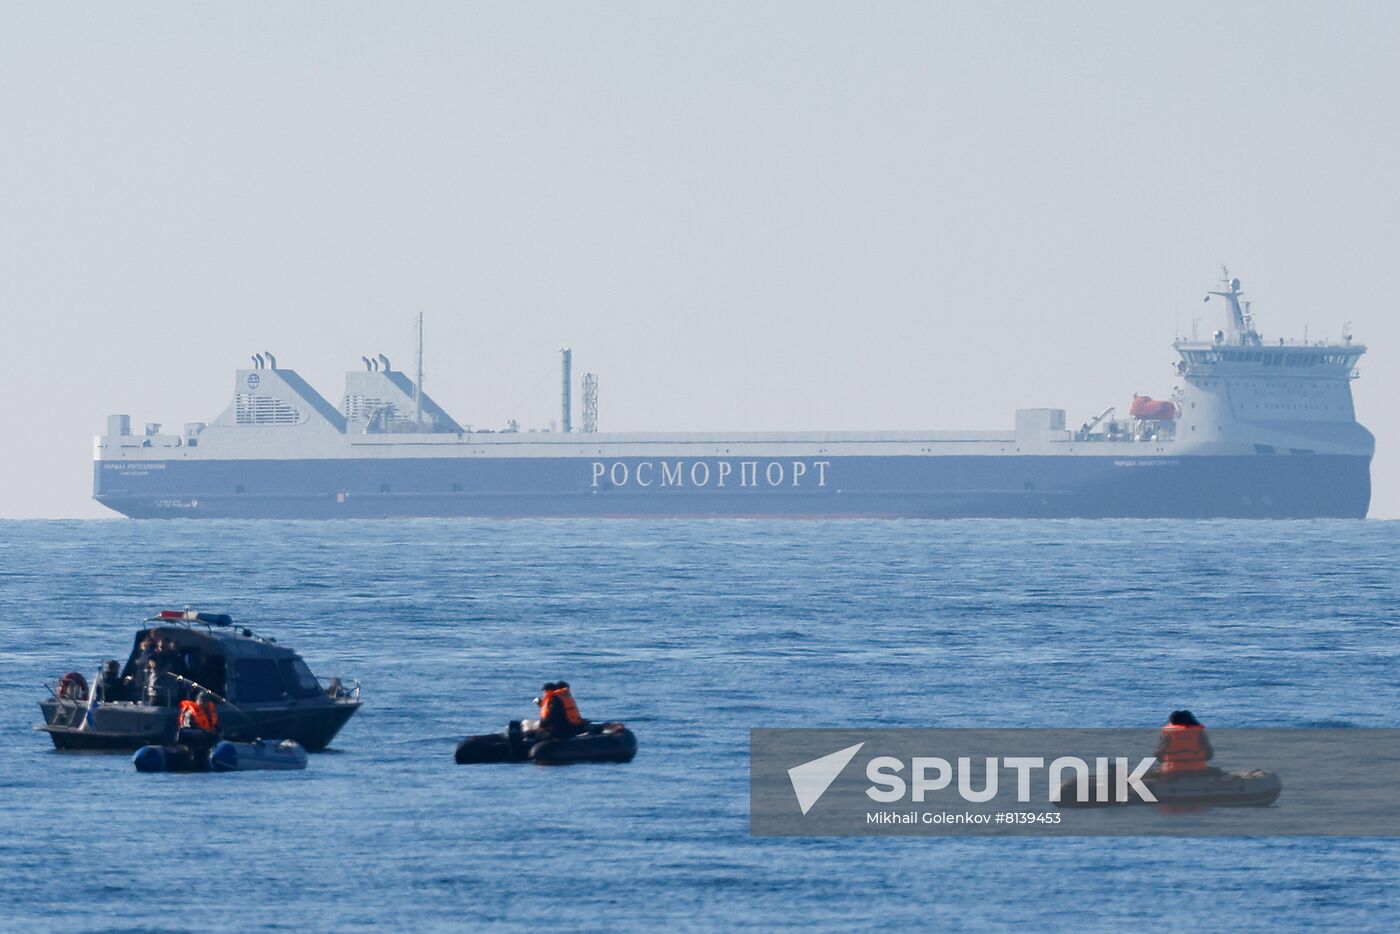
691,632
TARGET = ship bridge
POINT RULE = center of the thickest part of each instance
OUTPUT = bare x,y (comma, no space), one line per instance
1239,348
1272,397
1321,359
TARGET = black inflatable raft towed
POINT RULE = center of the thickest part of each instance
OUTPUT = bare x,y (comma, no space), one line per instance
1212,788
600,742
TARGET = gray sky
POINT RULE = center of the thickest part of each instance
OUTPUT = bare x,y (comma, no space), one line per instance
746,215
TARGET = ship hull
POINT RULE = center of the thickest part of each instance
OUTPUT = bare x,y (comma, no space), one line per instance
935,487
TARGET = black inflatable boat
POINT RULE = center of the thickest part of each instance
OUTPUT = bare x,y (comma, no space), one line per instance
172,757
600,742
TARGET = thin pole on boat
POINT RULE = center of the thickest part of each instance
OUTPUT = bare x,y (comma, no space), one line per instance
266,722
215,694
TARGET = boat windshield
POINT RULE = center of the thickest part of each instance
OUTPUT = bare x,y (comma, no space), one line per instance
258,680
299,679
266,679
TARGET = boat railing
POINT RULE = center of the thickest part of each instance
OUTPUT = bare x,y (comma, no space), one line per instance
70,710
54,687
339,689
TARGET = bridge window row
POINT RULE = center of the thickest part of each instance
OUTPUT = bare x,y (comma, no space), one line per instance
1291,358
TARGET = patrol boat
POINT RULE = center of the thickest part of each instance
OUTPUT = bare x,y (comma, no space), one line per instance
263,691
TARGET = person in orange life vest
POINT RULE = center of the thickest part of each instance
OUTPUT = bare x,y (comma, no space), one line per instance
1182,746
559,716
199,715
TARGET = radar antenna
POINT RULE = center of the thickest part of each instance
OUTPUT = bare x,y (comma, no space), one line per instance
1241,320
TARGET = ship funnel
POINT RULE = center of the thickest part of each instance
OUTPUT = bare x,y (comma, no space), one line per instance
254,358
258,360
271,360
367,366
385,363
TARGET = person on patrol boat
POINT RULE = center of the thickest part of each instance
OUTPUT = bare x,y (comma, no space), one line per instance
199,714
559,716
1182,746
109,684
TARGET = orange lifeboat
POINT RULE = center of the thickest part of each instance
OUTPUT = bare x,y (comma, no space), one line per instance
1147,407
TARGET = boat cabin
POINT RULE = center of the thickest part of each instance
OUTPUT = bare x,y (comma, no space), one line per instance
262,690
209,651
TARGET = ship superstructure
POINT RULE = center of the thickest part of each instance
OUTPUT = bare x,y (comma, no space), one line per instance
1252,429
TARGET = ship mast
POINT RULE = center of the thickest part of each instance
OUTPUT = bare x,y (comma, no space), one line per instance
1241,318
418,386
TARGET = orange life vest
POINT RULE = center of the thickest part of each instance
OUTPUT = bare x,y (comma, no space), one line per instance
200,716
567,699
1185,752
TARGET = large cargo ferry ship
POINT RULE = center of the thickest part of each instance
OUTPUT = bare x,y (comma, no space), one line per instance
1253,428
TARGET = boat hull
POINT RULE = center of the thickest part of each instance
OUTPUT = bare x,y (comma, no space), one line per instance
1263,486
611,742
128,727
